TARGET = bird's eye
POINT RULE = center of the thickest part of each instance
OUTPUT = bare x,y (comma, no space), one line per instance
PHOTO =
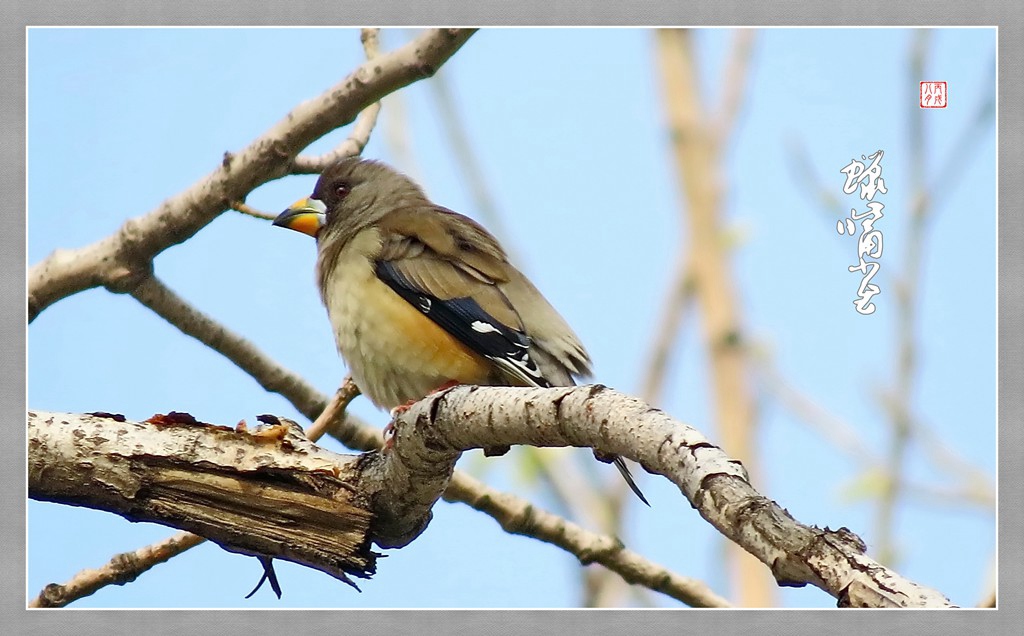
341,190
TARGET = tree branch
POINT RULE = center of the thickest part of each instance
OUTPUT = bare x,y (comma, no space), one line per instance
123,568
272,492
354,144
119,261
154,295
402,485
833,560
515,515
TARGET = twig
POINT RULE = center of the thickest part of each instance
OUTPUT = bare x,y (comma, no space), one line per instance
121,569
734,81
248,210
678,303
466,161
365,122
518,516
334,414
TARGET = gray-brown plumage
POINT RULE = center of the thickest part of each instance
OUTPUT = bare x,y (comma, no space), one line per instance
420,296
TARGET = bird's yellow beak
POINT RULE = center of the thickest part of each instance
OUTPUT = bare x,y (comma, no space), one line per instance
305,215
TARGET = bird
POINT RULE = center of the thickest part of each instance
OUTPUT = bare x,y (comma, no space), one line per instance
420,297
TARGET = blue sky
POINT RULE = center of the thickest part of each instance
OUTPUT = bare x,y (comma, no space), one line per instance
568,129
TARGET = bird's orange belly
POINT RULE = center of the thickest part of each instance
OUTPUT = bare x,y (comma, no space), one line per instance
394,352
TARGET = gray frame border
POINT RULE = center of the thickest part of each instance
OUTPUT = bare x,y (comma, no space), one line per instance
522,13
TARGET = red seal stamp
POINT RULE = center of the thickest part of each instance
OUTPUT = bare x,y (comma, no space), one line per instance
933,94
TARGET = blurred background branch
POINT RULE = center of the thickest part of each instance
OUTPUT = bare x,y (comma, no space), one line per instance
698,144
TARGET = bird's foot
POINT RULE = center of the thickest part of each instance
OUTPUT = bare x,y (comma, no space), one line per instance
447,385
389,430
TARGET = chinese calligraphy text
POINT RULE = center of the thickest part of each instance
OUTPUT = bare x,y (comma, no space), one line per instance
868,179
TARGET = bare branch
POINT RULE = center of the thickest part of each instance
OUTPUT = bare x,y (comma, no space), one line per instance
716,485
152,293
121,260
678,302
360,136
334,413
518,516
734,81
431,434
123,568
248,210
397,484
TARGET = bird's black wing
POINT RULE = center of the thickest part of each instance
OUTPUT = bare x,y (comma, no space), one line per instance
463,317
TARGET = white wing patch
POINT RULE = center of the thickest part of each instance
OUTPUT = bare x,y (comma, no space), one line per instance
523,368
480,326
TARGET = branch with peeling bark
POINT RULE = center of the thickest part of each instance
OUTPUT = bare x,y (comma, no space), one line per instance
271,492
400,487
716,485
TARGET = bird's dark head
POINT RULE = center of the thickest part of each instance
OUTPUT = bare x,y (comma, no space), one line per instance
351,194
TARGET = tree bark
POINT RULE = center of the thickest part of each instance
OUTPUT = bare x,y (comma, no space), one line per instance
271,493
394,491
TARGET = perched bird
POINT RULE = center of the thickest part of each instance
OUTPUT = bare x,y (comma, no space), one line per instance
421,297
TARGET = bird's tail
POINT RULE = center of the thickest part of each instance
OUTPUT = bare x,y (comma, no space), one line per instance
624,470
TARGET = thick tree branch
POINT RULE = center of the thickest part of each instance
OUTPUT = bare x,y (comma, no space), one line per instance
402,485
471,417
119,261
271,492
512,513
